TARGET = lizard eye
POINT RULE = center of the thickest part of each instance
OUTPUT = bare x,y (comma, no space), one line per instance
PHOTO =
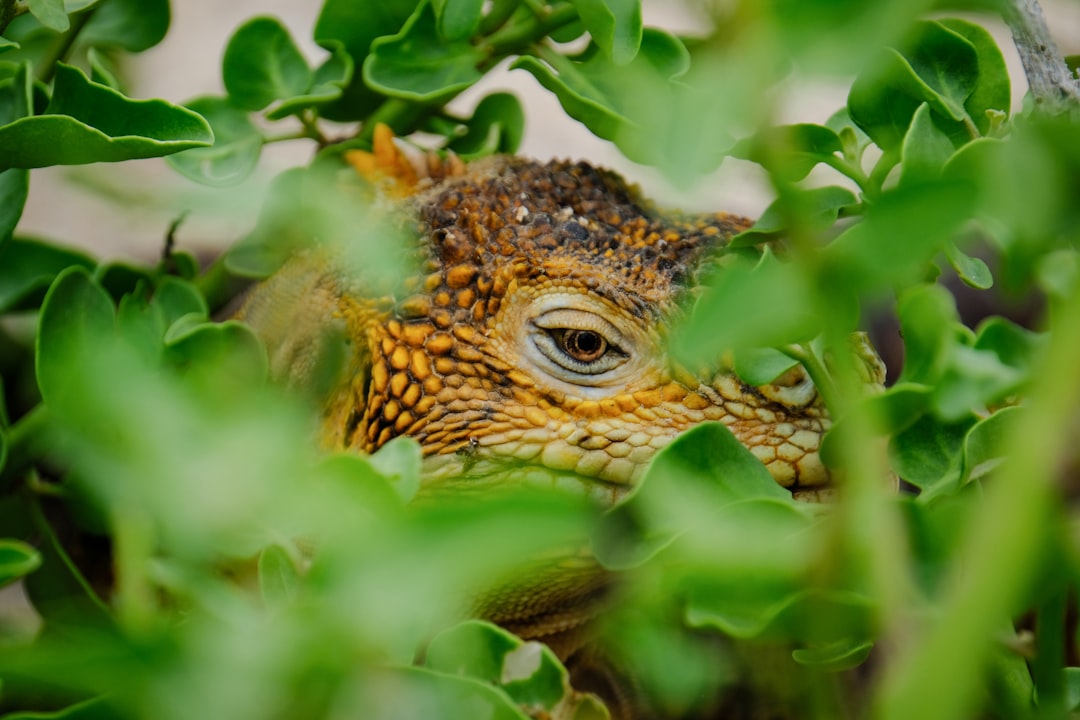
583,345
578,341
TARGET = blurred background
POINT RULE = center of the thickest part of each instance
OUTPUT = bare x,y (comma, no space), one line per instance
124,211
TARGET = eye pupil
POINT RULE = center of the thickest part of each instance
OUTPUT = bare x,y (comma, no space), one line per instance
584,345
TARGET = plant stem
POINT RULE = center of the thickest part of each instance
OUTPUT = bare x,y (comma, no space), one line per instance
519,36
850,170
1053,87
819,373
311,128
501,12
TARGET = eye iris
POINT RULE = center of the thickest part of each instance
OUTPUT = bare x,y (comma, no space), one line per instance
584,345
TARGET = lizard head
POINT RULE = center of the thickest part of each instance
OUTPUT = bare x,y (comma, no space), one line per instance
533,341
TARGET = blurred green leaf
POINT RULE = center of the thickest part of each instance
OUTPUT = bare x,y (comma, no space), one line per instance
529,672
16,101
50,13
399,462
900,234
94,709
890,412
928,318
327,84
278,578
758,366
721,319
925,149
132,25
615,26
704,465
27,268
790,151
426,693
6,44
76,315
416,64
87,123
457,19
610,100
496,126
279,230
985,442
929,453
840,655
972,270
262,64
997,365
101,70
17,560
992,90
813,211
236,149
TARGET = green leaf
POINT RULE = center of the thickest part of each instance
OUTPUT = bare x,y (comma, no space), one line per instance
87,123
132,25
93,709
399,462
422,692
176,298
28,267
790,151
416,64
77,315
279,581
236,149
928,317
529,672
996,366
721,320
6,44
279,229
14,188
100,70
814,211
706,463
17,560
835,656
457,19
615,26
355,25
759,366
992,92
928,453
327,84
925,149
985,443
50,13
496,127
215,349
891,412
611,101
900,234
262,64
972,271
937,66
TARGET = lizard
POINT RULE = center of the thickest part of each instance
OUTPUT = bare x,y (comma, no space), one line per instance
531,343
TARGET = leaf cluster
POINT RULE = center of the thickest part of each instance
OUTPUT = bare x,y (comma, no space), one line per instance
247,574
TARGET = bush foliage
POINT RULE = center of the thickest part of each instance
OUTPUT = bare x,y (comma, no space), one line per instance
248,575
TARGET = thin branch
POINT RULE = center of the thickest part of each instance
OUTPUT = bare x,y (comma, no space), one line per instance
1053,87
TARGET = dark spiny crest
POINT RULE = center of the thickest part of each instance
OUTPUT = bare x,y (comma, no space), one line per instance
568,220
